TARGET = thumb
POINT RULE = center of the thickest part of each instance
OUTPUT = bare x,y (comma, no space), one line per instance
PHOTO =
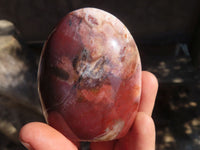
40,136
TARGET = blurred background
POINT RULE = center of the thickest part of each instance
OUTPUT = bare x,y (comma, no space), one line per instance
167,33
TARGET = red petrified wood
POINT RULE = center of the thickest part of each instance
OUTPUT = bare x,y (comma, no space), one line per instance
90,77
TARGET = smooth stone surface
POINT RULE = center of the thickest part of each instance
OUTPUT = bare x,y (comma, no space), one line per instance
90,77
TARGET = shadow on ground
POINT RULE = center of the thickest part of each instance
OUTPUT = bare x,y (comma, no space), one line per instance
177,107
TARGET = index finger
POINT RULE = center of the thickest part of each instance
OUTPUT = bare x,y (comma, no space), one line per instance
149,92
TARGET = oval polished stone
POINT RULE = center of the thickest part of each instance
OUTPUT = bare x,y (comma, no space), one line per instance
90,77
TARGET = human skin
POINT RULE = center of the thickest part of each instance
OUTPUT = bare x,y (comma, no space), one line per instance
141,136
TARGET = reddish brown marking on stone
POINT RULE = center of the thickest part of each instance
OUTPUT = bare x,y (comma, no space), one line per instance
60,73
125,36
122,54
74,20
92,20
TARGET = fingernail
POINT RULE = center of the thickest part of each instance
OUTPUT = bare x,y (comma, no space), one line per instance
28,146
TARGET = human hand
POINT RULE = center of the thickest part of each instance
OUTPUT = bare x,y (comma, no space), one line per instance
40,136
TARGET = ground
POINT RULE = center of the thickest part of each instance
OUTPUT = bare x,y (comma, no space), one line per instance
176,112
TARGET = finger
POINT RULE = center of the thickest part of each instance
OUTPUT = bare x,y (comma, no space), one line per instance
102,145
141,136
149,91
40,136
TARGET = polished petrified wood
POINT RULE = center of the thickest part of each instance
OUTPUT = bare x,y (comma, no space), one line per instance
90,77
